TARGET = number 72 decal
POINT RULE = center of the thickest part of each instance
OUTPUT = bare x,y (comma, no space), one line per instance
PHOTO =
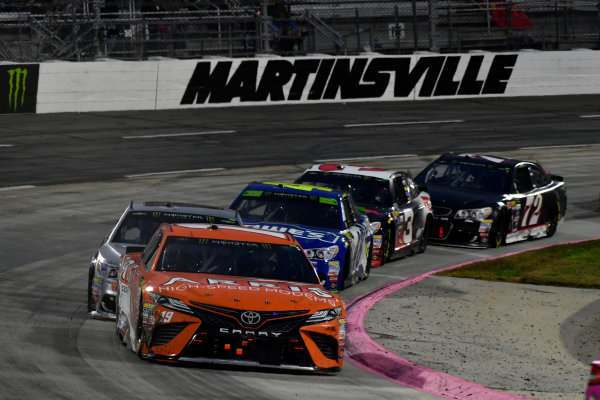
533,208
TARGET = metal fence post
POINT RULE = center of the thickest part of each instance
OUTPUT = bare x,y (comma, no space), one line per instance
433,18
415,26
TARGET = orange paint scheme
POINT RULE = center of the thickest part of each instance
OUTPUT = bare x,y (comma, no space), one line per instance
271,313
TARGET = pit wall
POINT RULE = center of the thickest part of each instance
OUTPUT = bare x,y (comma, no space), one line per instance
112,85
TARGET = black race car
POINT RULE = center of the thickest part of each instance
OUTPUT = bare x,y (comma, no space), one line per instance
389,197
486,201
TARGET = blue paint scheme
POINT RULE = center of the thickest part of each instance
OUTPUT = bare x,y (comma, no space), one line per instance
318,218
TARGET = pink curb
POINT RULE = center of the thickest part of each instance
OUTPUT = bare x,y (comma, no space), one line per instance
365,353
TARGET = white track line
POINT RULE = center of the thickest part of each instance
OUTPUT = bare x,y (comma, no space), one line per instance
450,121
185,171
559,146
366,158
7,188
163,135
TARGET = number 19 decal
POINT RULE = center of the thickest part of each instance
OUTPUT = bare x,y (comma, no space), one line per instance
166,316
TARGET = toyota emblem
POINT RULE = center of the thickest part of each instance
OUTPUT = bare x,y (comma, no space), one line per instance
250,317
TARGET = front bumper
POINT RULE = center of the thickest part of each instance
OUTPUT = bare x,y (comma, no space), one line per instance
103,296
460,232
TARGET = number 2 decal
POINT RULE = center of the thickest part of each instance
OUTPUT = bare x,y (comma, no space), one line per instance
533,208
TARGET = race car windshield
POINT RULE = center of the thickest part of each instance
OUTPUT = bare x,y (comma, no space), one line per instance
316,211
235,258
139,226
477,176
366,190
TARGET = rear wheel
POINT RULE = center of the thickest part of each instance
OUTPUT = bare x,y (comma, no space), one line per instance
424,240
552,224
498,232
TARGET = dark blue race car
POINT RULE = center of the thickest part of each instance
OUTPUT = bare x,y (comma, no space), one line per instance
486,201
336,237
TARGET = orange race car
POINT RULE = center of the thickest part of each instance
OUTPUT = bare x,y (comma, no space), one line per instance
229,295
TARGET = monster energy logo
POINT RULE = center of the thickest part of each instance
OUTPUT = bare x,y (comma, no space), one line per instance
17,83
210,219
266,246
156,214
202,241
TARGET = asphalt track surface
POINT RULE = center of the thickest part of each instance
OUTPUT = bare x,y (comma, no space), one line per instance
67,177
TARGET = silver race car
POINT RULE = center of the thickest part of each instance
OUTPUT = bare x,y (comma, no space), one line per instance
135,227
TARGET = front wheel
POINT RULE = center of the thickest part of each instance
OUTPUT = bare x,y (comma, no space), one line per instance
91,305
497,232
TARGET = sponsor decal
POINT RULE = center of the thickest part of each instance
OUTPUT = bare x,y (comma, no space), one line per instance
315,294
314,79
485,226
18,88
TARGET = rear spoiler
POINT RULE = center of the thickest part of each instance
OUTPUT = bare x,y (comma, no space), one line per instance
557,178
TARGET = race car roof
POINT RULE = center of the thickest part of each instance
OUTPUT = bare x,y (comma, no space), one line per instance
381,173
500,161
228,232
183,208
295,188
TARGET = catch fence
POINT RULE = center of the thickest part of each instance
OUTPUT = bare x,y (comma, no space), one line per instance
81,30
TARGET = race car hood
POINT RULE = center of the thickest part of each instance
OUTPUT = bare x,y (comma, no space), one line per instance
458,198
309,237
111,252
243,293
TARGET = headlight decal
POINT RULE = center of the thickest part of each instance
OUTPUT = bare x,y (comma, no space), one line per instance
325,315
322,253
477,214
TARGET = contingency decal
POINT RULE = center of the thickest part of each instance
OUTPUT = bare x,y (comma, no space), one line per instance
315,79
18,88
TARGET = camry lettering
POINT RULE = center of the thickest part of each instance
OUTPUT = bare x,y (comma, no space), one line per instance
347,78
249,333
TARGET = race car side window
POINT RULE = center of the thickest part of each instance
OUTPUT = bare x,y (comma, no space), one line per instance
349,219
523,180
150,249
400,195
539,176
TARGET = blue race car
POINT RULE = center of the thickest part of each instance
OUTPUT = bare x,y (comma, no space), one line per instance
335,236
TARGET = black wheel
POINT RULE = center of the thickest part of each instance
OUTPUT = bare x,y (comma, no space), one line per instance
552,225
424,240
89,295
368,266
498,232
139,330
346,270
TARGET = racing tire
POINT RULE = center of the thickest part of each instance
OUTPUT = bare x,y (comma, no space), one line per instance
386,239
424,240
552,225
498,232
139,331
89,293
368,266
346,270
